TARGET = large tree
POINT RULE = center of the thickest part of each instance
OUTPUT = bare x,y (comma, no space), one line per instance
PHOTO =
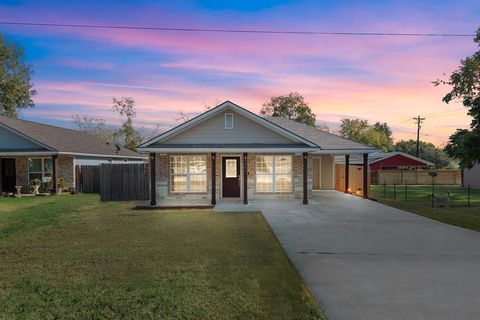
16,88
465,82
291,106
360,131
428,151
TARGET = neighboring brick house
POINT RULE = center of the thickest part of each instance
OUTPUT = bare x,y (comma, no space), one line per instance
31,150
229,153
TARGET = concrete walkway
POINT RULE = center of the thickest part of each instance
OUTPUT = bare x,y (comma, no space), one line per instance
364,260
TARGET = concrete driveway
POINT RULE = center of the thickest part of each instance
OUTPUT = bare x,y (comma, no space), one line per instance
364,260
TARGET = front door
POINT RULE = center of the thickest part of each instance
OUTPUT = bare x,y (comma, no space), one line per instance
8,175
231,177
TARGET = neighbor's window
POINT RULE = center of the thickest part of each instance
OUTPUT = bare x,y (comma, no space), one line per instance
228,120
188,173
40,168
273,173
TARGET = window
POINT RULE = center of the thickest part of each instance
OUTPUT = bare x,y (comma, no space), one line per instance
273,174
228,120
188,174
40,168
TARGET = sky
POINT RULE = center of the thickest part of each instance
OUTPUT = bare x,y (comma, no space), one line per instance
386,79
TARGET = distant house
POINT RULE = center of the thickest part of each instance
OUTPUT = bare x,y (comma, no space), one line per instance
389,161
31,150
472,177
377,162
231,153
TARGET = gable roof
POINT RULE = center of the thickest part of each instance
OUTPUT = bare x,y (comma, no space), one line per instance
221,107
379,156
65,141
325,140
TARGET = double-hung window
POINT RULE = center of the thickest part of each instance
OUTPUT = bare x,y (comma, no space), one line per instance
188,174
273,173
40,168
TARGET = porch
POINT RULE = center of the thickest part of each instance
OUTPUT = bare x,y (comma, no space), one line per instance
241,178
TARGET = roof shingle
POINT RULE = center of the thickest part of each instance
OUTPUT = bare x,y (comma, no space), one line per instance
65,140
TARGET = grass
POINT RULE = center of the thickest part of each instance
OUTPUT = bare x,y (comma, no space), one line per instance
419,202
74,257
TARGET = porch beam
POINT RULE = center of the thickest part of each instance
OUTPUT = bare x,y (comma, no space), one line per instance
54,173
245,178
347,172
153,184
214,176
365,175
305,177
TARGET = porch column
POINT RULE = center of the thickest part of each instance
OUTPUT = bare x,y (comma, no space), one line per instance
54,173
347,171
153,183
305,177
245,178
214,176
365,175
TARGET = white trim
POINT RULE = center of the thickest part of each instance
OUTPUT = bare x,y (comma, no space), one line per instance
229,150
274,174
210,113
233,125
101,155
405,155
187,174
51,153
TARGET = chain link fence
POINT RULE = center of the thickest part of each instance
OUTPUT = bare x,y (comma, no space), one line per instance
433,195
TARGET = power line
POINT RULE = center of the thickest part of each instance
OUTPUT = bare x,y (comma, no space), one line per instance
255,31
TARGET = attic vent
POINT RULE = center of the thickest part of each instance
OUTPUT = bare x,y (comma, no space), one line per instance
228,120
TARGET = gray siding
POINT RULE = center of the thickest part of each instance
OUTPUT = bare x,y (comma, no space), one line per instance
12,141
213,131
472,177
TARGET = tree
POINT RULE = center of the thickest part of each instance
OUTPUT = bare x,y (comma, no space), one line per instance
428,152
15,79
465,83
291,106
95,126
126,107
385,128
360,131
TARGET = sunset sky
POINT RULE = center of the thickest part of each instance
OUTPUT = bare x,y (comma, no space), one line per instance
78,71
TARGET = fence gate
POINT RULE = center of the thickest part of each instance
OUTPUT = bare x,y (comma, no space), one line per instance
124,181
87,179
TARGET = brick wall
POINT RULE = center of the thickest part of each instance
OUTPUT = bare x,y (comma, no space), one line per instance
64,170
164,196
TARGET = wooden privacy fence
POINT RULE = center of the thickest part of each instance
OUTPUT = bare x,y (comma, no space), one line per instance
129,181
445,176
124,181
87,179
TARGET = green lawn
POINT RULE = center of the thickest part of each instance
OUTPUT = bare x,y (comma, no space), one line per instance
74,257
419,202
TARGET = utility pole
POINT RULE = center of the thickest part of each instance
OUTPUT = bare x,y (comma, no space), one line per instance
418,121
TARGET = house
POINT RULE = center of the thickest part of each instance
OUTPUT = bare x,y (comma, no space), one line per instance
472,177
30,150
229,152
389,161
377,161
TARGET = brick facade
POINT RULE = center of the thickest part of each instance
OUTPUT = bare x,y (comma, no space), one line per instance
64,170
164,196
